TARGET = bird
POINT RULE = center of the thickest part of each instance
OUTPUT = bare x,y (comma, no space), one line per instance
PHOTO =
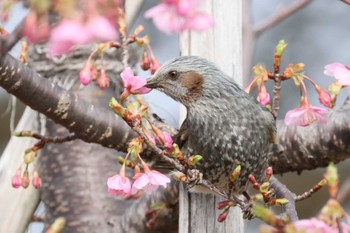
224,124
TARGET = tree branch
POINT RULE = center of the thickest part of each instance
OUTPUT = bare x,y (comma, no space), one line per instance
304,148
281,14
307,148
7,43
283,192
89,122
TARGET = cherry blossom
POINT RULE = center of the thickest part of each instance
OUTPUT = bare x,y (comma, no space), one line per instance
338,71
312,226
36,29
149,181
74,32
119,184
305,115
133,84
177,16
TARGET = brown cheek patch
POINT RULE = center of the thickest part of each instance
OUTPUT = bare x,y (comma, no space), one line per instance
194,83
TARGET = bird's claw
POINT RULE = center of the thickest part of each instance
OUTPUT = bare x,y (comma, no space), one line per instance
247,210
194,177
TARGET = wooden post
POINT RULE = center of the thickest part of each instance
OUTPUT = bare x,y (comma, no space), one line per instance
222,45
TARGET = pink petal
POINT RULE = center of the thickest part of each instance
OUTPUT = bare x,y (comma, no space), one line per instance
342,75
67,34
119,183
102,29
150,188
186,7
168,138
126,75
136,82
141,181
165,18
199,22
312,226
305,116
157,178
330,68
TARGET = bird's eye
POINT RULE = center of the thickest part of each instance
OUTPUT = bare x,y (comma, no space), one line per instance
173,74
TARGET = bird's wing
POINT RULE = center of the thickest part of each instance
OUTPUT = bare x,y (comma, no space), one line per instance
182,136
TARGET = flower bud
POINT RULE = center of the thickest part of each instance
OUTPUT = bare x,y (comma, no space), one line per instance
25,179
36,180
16,179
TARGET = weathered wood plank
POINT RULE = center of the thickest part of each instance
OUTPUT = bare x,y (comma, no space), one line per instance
222,45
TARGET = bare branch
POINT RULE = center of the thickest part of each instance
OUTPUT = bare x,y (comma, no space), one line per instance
89,122
281,14
283,192
304,148
7,43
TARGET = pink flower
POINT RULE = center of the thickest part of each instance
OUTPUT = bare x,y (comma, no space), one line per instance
73,32
85,74
312,226
305,115
133,84
339,72
119,185
178,16
36,29
101,29
149,181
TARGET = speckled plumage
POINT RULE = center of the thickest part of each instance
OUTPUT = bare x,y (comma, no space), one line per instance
224,124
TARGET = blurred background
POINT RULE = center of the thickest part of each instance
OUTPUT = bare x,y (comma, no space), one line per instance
316,35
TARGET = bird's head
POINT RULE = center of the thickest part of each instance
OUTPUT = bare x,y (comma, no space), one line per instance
189,78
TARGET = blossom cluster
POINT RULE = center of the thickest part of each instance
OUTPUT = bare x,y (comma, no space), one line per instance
149,181
173,16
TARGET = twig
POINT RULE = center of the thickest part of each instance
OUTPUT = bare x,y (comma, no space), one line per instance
276,96
46,139
177,165
314,189
282,191
7,43
346,1
344,191
280,15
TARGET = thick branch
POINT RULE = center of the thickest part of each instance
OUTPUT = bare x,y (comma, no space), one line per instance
307,148
7,43
304,148
90,123
283,192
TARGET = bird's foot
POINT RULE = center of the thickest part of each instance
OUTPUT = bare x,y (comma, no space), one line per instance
247,209
194,177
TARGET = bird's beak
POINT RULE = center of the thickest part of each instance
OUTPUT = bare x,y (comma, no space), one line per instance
152,83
